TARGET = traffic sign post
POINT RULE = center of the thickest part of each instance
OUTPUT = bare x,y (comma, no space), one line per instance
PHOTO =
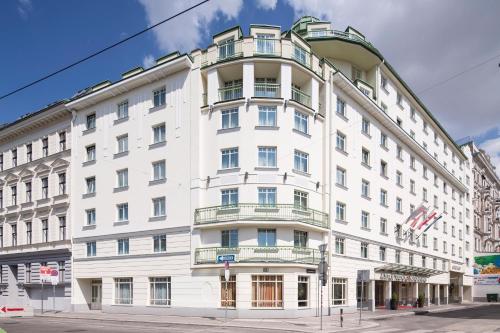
363,275
49,275
323,276
227,275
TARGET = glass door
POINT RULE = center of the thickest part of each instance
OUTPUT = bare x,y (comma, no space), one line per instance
96,302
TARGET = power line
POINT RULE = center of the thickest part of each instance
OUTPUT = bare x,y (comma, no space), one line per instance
101,51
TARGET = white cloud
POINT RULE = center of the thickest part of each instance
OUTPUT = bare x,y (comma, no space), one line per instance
24,7
148,61
267,4
492,147
185,32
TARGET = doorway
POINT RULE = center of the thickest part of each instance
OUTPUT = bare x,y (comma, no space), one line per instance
379,294
96,300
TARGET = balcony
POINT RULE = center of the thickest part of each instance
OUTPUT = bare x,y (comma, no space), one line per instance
229,50
365,88
315,34
302,56
301,97
268,47
267,90
260,254
230,93
256,212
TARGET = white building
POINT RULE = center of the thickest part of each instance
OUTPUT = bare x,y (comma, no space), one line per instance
35,224
257,150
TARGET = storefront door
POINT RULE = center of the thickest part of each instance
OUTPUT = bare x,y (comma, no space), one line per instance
379,294
96,302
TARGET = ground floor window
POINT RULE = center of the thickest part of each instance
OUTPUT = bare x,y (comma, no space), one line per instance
339,291
228,292
124,292
159,290
267,291
303,291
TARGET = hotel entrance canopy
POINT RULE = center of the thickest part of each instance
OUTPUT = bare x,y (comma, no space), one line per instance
407,270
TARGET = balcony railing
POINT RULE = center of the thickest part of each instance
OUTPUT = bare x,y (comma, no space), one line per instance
231,92
266,46
364,87
228,50
256,212
259,254
338,34
301,55
301,97
271,90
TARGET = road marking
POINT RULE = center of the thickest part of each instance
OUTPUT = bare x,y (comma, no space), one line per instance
384,330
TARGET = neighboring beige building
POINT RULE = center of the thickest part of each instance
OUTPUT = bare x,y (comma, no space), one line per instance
486,201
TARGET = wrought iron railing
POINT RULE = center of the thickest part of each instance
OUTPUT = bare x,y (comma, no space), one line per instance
257,212
267,90
259,254
301,97
231,92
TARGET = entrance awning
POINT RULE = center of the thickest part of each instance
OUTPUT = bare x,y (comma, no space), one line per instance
407,270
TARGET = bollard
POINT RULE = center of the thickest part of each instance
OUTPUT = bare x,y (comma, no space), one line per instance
341,317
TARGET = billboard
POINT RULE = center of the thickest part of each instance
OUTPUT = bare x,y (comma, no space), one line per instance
487,270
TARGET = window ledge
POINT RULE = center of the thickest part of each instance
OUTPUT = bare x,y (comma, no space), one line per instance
365,197
384,234
399,185
157,108
366,165
157,144
60,196
266,168
384,205
88,195
228,130
89,226
341,116
384,147
307,135
120,189
121,222
301,173
86,163
342,151
400,159
88,131
366,229
228,170
118,155
157,181
267,128
384,176
413,168
341,221
341,186
366,134
120,120
157,218
42,201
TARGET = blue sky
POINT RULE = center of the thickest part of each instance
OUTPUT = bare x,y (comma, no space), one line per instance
38,37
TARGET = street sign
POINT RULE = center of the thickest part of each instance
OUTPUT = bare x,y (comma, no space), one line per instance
226,257
49,275
54,276
363,274
5,309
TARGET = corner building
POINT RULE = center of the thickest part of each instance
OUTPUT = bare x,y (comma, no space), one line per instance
259,149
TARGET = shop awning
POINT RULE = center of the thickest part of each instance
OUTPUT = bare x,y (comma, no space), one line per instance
407,270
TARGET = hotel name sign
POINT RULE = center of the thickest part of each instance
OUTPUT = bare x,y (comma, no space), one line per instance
402,277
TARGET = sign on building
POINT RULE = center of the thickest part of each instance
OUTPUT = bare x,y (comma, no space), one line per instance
49,275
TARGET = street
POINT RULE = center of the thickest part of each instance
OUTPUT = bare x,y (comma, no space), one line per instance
484,319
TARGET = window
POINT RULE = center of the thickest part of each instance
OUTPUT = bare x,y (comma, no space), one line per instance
1,162
364,250
267,157
13,228
303,291
399,99
424,240
445,229
383,169
62,183
339,245
424,261
435,244
229,158
383,197
229,197
122,178
300,199
399,205
45,147
339,291
62,227
266,237
90,185
45,231
300,238
90,122
27,185
29,152
412,113
365,157
383,106
124,291
341,141
424,127
341,176
160,290
122,110
228,291
61,265
122,143
412,186
365,126
399,152
123,246
62,141
424,194
91,153
159,133
27,273
412,134
365,220
340,211
365,188
1,240
45,188
13,190
160,243
399,122
267,116
301,161
383,225
397,256
301,122
122,212
29,233
452,249
381,253
341,109
159,207
452,231
267,196
230,118
90,216
159,170
267,291
229,238
91,249
14,157
410,259
445,247
383,83
383,140
159,97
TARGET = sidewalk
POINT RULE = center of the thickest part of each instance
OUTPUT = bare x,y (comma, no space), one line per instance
306,324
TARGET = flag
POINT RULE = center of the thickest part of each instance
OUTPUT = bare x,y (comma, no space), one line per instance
424,222
433,222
